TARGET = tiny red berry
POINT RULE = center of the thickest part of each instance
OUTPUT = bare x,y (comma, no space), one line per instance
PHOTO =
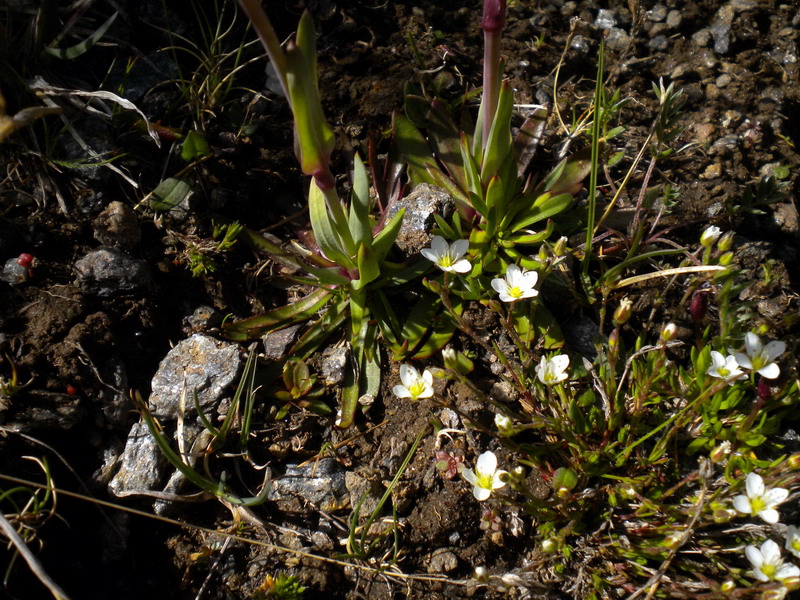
25,259
72,390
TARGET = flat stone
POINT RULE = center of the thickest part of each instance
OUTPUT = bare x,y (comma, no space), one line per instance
618,39
141,464
277,343
13,273
443,561
333,365
107,272
421,205
198,364
320,484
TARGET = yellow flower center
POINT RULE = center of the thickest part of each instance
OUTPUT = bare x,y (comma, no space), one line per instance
757,504
769,570
796,544
723,371
515,292
417,388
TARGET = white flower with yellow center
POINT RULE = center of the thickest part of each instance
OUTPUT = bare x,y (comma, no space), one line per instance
486,477
518,284
760,358
553,370
448,257
759,500
415,386
768,564
726,368
793,540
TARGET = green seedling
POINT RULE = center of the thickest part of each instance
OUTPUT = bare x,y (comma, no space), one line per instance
300,389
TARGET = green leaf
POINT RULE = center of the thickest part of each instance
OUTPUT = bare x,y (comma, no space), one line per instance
278,318
368,268
359,223
328,239
84,46
386,237
569,174
169,193
543,208
498,144
194,146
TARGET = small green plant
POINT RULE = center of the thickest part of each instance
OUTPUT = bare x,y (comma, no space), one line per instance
280,587
300,389
757,196
202,255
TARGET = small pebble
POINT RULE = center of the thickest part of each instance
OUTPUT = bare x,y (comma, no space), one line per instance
712,171
659,43
674,19
618,39
657,14
605,19
723,80
701,37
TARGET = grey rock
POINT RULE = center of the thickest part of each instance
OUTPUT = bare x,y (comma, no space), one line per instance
721,32
202,318
657,14
14,273
701,37
198,364
674,19
743,5
362,490
605,19
177,479
569,9
725,14
108,272
660,43
333,364
277,343
141,465
117,226
723,80
319,484
114,403
579,43
618,39
772,308
724,145
443,561
421,205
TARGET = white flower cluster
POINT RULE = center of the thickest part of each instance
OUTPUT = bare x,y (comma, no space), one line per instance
758,500
756,357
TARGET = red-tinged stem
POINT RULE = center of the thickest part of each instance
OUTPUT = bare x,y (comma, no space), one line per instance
494,19
263,27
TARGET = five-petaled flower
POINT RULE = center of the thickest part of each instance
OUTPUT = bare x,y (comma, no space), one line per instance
414,386
726,368
518,284
759,500
448,257
552,370
760,358
793,540
768,564
486,478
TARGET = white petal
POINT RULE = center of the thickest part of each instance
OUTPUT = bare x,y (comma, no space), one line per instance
506,297
759,575
743,360
427,377
401,391
481,494
530,278
754,485
754,556
439,246
497,481
429,254
787,570
770,371
776,496
500,286
408,375
487,463
742,505
771,516
463,265
469,475
560,362
459,248
752,344
773,350
512,272
771,552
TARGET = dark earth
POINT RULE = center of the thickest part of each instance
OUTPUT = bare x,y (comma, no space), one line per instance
110,289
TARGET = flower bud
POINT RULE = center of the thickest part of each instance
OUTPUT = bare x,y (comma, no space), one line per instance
505,426
494,15
719,453
672,540
668,332
710,235
726,259
794,460
550,545
727,586
726,241
762,389
724,515
791,583
623,312
560,247
698,306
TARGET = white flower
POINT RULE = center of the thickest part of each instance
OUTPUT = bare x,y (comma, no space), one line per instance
726,368
414,386
517,285
448,257
710,235
793,540
759,500
505,426
760,358
486,476
767,563
669,331
551,371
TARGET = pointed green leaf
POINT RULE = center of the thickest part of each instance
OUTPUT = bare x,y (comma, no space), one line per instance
322,223
386,237
359,223
84,46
